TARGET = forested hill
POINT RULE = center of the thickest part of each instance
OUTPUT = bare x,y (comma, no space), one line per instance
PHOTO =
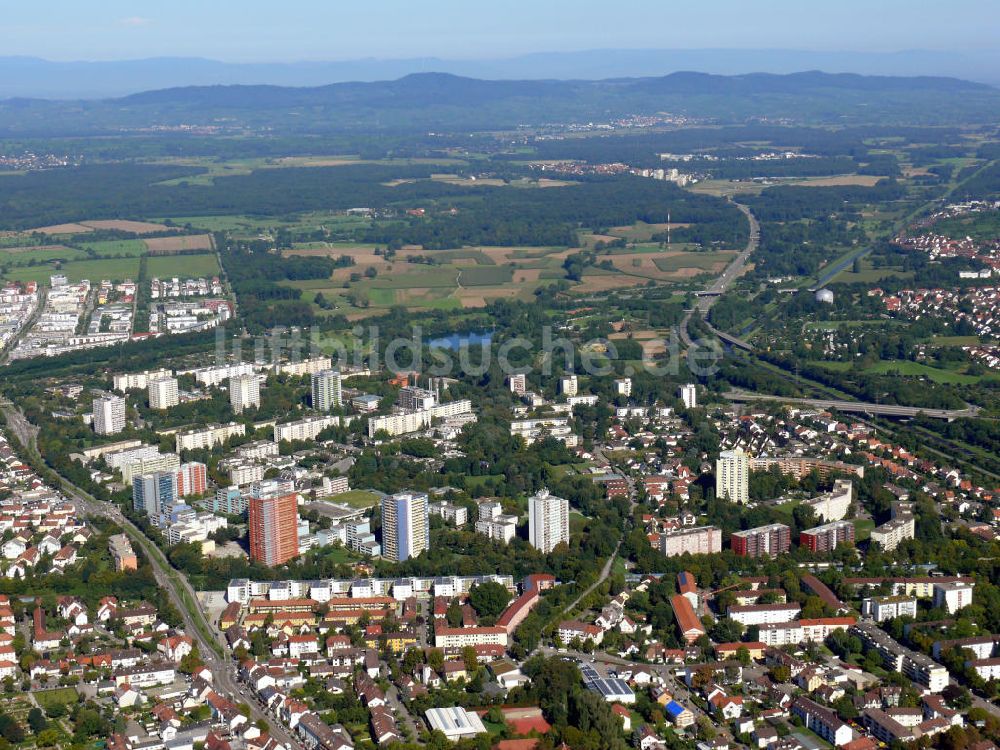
434,100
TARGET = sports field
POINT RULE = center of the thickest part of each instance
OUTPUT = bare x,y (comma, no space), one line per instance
116,269
182,266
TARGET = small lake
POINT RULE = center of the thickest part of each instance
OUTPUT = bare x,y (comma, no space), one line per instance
456,341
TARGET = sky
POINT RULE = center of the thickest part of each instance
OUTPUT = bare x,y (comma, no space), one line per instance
295,30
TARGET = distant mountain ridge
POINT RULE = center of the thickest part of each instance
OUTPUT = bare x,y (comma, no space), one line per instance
424,101
37,78
461,90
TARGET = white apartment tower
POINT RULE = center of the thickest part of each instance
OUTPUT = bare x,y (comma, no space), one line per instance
568,385
689,395
518,383
412,398
732,476
326,390
163,393
109,414
244,392
623,386
405,525
548,521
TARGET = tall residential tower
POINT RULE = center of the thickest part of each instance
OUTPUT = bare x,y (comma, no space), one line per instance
548,521
273,521
405,525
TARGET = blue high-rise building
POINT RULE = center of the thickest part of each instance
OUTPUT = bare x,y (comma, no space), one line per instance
405,525
152,493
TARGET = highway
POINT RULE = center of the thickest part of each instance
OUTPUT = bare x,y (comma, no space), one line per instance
888,410
211,643
721,284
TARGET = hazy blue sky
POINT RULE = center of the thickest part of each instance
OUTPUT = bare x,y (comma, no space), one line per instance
284,30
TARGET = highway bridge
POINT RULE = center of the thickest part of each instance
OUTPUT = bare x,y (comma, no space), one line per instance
707,297
731,340
886,410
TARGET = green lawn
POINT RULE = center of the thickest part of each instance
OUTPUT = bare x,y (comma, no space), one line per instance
355,498
488,276
917,369
48,698
449,256
217,223
953,340
562,470
911,369
577,522
382,297
833,325
182,266
434,276
863,528
786,509
339,555
871,275
704,261
41,256
117,269
116,247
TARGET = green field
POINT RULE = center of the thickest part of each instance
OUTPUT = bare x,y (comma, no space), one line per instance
871,276
486,276
833,325
62,696
917,369
355,498
115,247
449,256
382,297
20,240
953,340
908,368
434,276
337,555
182,266
40,256
703,261
863,528
116,269
218,223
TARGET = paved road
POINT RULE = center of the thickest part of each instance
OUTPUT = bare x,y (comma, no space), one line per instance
605,572
890,410
211,644
728,276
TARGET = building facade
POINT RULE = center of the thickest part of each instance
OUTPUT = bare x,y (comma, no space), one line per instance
405,525
772,540
732,476
326,390
827,537
152,493
273,522
689,395
109,414
548,521
244,392
163,393
699,540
